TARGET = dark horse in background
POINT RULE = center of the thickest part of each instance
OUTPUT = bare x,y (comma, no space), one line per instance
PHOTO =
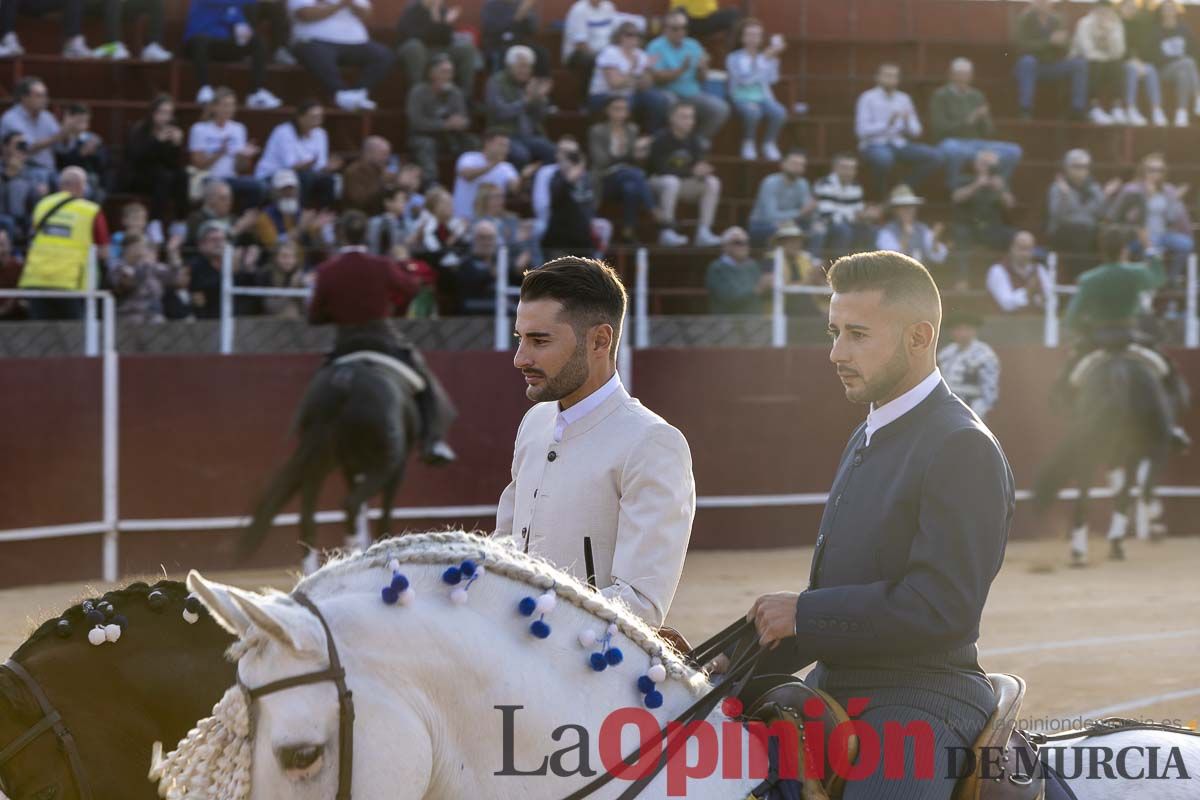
359,415
1121,417
78,721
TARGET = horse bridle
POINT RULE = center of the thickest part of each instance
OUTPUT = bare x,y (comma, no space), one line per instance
334,672
51,721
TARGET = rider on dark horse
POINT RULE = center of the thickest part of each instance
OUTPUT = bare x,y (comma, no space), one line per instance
1103,315
358,292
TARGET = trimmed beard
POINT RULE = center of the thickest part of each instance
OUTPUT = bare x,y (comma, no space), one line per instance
566,381
884,383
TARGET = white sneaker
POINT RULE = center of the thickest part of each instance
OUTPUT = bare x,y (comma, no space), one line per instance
706,238
1136,119
114,51
205,95
10,46
1160,119
263,99
76,48
1119,117
1181,118
284,56
1099,116
347,100
155,53
749,151
770,152
669,238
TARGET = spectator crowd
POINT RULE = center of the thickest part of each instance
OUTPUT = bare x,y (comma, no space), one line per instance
669,99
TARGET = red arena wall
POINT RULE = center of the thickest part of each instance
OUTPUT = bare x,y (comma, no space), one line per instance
200,435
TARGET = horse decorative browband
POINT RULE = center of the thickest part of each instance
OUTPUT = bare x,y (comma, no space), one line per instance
51,721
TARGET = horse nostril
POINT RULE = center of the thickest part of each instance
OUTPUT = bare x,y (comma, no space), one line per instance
301,757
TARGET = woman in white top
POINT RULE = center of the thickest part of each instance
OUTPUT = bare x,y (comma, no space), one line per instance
751,71
219,146
302,145
623,68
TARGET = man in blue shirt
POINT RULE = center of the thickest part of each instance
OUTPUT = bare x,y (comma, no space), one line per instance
679,66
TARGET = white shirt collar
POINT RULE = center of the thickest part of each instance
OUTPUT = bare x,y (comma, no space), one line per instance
893,410
585,406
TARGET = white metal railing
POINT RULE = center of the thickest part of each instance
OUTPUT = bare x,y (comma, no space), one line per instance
109,462
230,291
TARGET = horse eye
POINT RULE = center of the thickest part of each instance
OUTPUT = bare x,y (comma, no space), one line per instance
301,757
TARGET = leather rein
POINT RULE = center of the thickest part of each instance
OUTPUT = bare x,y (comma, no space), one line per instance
335,673
51,721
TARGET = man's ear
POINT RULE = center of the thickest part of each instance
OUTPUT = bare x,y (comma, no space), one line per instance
921,336
602,338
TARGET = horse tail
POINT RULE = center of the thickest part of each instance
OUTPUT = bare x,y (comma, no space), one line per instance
315,423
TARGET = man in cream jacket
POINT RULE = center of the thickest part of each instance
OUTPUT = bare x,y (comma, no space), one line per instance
592,464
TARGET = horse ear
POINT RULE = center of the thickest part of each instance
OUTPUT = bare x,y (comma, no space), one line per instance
280,618
218,599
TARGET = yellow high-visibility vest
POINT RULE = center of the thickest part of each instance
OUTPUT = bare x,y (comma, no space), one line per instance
58,254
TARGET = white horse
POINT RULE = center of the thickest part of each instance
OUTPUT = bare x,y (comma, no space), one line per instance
448,695
455,696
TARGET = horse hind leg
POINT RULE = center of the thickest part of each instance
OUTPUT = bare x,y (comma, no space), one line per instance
363,488
1079,526
388,501
308,523
1119,526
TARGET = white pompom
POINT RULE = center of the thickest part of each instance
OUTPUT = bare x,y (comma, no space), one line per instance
612,629
479,570
459,596
190,617
407,596
546,603
657,673
394,565
96,635
112,632
587,638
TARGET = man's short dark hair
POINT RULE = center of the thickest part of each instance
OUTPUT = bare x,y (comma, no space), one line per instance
590,291
25,86
352,228
390,193
902,279
495,133
1113,241
76,109
683,104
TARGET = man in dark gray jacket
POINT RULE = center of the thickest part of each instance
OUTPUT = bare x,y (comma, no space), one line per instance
913,533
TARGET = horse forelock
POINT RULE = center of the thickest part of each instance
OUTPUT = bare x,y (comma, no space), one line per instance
452,547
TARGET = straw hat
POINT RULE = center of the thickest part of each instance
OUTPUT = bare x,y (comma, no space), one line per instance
902,195
788,230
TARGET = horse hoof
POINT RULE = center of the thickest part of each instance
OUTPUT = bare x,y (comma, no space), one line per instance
1116,552
1078,559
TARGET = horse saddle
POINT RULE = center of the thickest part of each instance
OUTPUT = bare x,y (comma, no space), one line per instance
782,698
409,375
1157,364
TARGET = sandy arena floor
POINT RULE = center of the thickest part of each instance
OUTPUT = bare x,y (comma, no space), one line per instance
1113,639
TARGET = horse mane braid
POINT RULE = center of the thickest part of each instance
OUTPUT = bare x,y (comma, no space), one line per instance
451,547
139,590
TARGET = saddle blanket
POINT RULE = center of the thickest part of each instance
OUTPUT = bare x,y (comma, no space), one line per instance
407,373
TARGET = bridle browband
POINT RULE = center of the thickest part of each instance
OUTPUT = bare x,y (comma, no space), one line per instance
334,672
51,721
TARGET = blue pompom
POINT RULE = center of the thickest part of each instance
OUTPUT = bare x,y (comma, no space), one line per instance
645,685
598,663
539,629
192,604
654,699
94,617
120,620
614,656
452,576
527,606
468,568
390,595
399,582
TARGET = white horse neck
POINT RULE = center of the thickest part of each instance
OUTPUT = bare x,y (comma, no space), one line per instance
483,707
